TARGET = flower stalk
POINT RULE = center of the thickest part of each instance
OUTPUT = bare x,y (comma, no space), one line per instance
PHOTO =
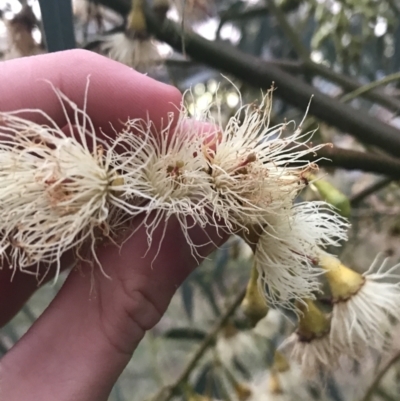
254,305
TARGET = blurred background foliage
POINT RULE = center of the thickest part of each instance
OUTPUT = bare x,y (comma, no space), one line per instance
205,348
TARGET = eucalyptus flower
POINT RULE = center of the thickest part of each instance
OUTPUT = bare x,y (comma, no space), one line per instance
364,305
138,53
134,47
254,170
57,190
171,177
310,345
287,249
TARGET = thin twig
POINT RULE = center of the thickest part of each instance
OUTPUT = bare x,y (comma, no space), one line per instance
293,36
357,198
168,393
362,90
350,84
370,86
379,377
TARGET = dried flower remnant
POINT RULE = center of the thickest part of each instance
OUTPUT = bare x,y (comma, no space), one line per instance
193,12
364,305
19,35
286,251
57,191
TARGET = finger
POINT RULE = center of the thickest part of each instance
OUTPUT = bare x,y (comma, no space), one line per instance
16,288
80,345
116,92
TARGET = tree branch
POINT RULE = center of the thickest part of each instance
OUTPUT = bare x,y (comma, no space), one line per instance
347,83
291,89
257,11
355,160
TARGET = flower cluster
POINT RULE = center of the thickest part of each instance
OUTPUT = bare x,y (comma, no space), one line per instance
58,189
68,191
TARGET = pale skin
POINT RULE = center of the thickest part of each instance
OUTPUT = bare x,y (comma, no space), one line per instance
82,342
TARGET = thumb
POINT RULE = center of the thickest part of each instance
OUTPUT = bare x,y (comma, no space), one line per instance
79,346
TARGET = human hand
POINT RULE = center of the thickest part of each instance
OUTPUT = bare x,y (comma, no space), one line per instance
79,346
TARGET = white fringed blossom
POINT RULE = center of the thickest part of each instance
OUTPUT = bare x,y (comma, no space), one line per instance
173,181
311,356
310,345
254,170
364,305
286,251
57,189
139,54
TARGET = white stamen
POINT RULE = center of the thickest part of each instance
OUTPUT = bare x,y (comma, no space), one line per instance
312,356
56,191
286,250
254,170
136,53
173,180
364,320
